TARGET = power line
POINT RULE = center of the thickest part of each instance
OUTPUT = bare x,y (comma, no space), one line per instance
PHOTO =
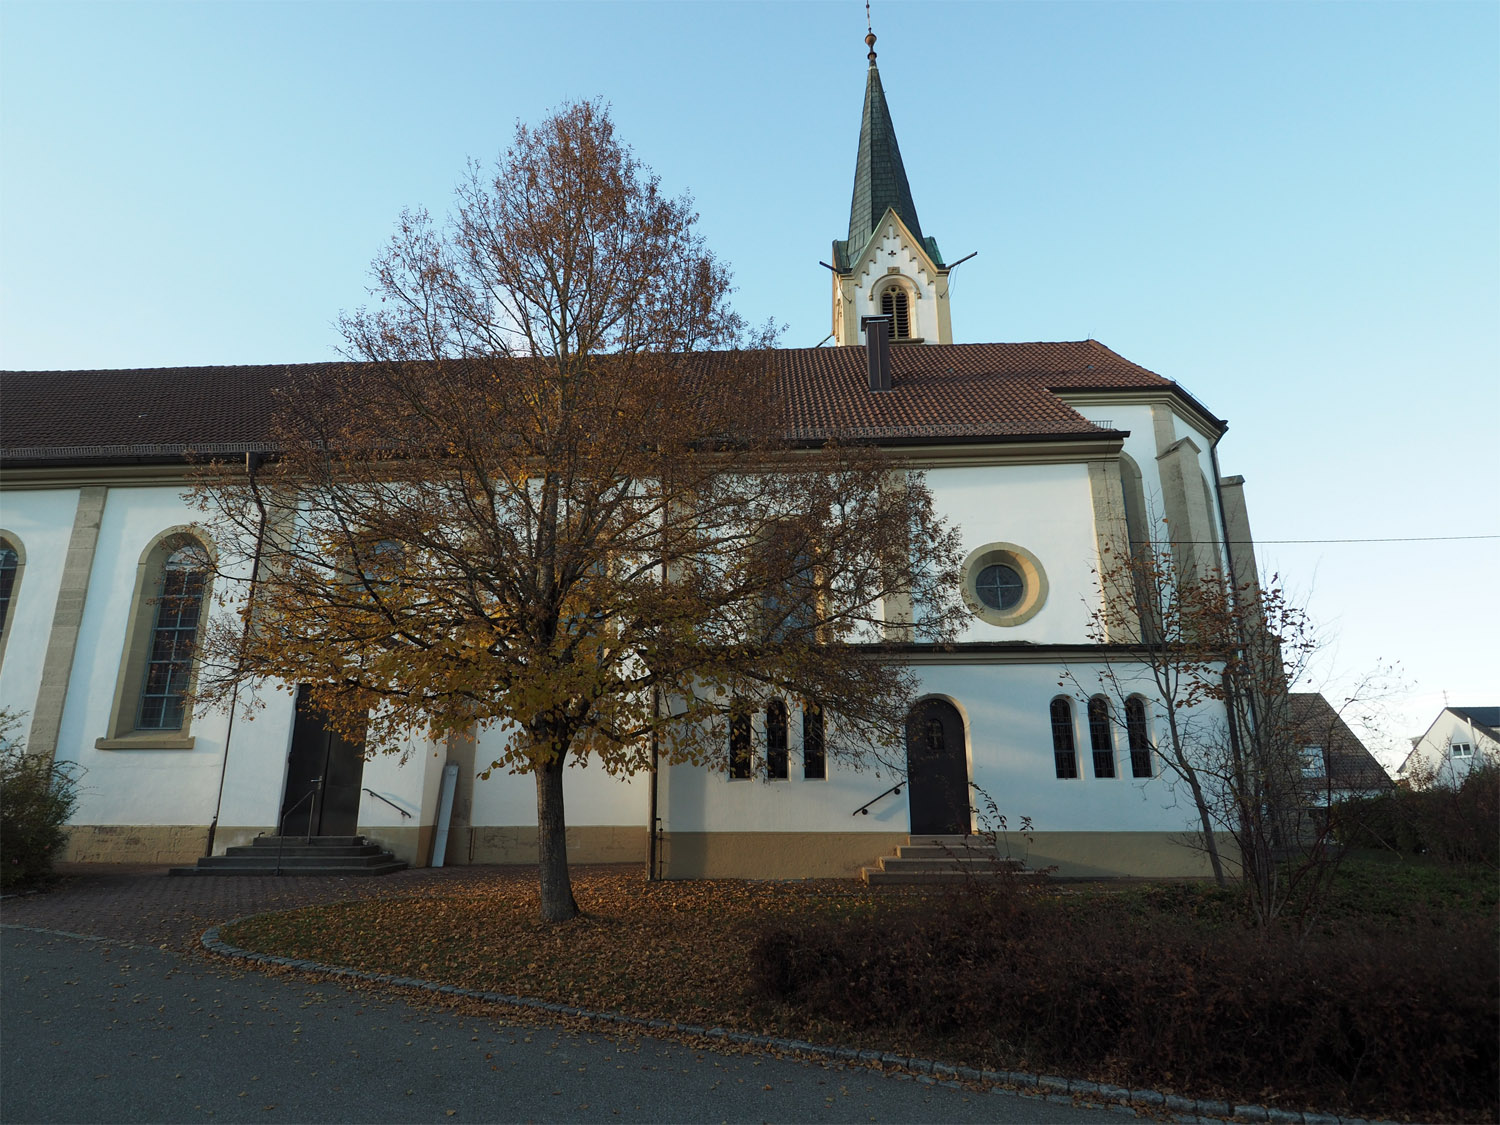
1398,539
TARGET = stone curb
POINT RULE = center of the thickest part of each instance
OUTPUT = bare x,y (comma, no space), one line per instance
924,1070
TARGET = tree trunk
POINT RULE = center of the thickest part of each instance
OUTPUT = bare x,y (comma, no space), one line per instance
1185,768
552,844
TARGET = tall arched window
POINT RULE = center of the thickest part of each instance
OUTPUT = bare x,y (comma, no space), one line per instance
893,303
739,740
1064,750
161,638
1138,736
12,562
814,757
174,636
1101,738
776,740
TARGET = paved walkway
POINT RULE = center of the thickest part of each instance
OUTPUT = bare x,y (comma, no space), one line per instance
133,1023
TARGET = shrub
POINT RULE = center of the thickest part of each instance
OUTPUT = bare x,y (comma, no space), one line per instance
1456,824
1398,1021
37,795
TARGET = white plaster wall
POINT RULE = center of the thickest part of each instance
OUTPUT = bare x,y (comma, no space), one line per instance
131,786
42,521
410,780
700,799
892,249
1433,756
1047,509
591,797
1008,725
255,774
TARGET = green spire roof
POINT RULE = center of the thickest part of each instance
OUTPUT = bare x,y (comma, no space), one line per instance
879,177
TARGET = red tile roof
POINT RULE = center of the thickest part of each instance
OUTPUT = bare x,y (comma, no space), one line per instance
961,392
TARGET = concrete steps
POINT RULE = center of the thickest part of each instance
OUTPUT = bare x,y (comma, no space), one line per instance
299,855
938,860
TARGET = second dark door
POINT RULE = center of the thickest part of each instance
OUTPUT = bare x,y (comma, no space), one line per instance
937,770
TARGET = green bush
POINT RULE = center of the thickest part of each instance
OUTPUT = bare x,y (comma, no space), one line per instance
1397,1019
1454,824
37,795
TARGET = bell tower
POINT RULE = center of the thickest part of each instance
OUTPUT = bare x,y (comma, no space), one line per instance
886,266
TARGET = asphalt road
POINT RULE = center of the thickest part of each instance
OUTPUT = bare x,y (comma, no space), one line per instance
104,1030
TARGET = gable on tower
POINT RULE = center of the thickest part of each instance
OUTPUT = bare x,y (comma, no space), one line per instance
886,267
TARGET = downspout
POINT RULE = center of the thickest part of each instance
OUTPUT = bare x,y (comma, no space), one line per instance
253,461
651,833
1234,588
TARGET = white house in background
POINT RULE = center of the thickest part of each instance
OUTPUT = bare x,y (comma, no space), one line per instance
1043,454
1460,739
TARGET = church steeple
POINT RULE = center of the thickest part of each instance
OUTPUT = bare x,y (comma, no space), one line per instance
886,267
879,175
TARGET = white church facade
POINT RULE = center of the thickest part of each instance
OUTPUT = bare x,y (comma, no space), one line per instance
1046,456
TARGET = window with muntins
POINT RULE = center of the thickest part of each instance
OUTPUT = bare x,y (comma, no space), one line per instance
814,758
1136,734
776,740
1463,750
1063,748
894,305
10,562
1101,738
173,638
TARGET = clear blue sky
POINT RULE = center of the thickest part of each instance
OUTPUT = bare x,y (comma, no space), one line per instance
1293,209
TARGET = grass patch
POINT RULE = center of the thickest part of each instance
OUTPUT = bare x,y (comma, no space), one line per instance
1391,1007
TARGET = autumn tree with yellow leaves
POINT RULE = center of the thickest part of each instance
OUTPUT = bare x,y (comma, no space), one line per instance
552,496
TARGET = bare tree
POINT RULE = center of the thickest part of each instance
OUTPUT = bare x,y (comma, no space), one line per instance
554,498
1216,661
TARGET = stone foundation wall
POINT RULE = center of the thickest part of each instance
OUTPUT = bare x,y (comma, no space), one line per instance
135,843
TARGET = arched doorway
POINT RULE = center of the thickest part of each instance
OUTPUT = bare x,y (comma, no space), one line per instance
937,770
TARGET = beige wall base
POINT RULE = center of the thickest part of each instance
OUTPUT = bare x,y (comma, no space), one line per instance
1149,855
412,844
516,843
773,855
135,843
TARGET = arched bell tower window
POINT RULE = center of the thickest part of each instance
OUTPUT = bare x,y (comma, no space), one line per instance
893,303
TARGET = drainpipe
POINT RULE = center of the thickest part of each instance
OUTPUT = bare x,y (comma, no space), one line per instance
651,836
253,461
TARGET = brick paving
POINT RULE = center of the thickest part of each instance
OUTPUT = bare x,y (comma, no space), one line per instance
143,904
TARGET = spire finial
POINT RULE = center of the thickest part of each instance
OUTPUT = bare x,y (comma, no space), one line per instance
869,34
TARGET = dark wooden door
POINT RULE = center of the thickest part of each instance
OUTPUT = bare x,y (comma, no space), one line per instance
324,772
937,770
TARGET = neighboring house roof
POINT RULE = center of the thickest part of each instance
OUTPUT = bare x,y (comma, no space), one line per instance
1349,764
879,178
945,392
1486,720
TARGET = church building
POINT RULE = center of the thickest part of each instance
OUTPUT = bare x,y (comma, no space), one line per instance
1048,457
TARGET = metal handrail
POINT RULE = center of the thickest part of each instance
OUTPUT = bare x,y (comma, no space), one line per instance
388,801
281,824
865,808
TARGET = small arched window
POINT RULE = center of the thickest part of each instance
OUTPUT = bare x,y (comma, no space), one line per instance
893,303
1138,736
814,757
1064,750
739,740
1101,738
776,740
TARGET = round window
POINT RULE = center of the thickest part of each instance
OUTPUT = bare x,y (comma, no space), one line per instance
1004,584
999,586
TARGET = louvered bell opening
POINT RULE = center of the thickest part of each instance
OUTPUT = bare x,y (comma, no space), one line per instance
893,305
